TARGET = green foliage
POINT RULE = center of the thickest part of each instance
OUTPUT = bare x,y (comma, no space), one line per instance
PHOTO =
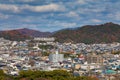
44,75
45,53
66,54
1,73
116,52
56,74
46,47
50,75
2,77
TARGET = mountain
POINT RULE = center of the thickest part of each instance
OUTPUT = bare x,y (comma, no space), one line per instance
34,33
22,34
13,35
104,33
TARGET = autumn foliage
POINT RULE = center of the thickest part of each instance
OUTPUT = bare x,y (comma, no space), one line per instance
105,33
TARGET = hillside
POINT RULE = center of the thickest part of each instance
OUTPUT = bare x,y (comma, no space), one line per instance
13,35
33,33
22,34
105,33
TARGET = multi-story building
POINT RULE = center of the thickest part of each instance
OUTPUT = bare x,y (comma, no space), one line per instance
94,58
56,57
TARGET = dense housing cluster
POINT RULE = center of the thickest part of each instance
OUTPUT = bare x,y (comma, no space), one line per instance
98,60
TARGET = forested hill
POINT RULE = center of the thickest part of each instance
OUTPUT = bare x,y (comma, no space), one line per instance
22,34
105,33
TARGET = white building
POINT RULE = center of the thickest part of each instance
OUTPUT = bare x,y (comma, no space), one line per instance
51,39
56,57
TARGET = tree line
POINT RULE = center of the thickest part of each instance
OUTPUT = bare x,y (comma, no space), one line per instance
44,75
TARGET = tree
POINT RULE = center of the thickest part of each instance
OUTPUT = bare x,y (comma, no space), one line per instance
1,73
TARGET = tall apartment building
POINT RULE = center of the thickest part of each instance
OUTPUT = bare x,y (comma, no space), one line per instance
56,57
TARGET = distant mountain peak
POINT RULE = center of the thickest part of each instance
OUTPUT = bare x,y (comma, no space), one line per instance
34,33
110,23
25,28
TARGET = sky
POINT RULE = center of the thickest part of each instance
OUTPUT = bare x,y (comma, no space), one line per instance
53,15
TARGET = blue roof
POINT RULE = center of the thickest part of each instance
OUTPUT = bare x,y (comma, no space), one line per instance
110,72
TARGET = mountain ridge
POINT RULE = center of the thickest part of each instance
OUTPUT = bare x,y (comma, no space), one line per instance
22,34
103,33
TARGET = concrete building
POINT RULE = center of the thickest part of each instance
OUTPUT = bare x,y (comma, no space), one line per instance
46,39
56,57
93,58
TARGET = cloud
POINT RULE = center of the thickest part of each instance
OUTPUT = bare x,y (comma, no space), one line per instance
85,2
10,26
40,8
65,24
92,9
114,16
45,8
81,1
21,0
95,20
25,0
2,16
9,7
72,14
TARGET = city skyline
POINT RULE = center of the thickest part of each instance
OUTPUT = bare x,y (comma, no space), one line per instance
52,15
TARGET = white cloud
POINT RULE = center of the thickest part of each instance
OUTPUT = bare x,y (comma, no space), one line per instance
64,24
9,7
2,16
88,1
81,1
72,14
40,8
96,20
68,25
26,0
10,26
114,16
45,8
21,0
91,10
26,20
